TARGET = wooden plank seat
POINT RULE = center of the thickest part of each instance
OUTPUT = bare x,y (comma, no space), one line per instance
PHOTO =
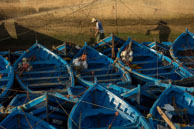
43,67
146,62
45,85
189,63
96,111
96,62
162,74
44,78
4,79
155,68
45,71
41,62
186,57
109,80
40,109
2,87
99,69
141,55
114,127
185,48
4,71
101,75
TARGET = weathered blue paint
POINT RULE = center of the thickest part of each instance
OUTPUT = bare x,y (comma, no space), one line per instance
182,100
6,78
99,108
162,47
153,66
67,50
51,107
105,45
182,50
49,71
101,68
23,120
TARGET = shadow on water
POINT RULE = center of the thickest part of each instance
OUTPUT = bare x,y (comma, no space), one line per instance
25,39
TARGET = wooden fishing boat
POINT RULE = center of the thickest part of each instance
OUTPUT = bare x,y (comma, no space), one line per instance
182,50
109,46
100,69
174,109
11,56
142,98
162,47
99,108
146,65
162,86
67,50
39,69
51,107
73,93
23,120
6,78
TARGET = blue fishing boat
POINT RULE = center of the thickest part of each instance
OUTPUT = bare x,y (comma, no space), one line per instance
142,98
174,108
147,65
23,120
182,50
67,50
11,56
39,69
162,47
21,99
99,68
6,78
73,94
51,107
158,86
99,108
109,46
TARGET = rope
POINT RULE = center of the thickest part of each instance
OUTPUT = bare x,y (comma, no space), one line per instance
48,114
27,119
116,114
20,34
47,12
101,107
89,4
67,114
131,10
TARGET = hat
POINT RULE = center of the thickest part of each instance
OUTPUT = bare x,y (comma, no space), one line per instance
93,20
162,22
24,59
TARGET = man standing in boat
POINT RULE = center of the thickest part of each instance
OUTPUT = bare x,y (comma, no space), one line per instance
99,31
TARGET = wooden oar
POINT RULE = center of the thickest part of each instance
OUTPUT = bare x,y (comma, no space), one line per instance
166,119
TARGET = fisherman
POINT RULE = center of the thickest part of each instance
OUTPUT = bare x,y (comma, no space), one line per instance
127,56
164,31
80,63
24,66
99,31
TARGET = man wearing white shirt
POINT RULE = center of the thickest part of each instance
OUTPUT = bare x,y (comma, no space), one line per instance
99,29
80,63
